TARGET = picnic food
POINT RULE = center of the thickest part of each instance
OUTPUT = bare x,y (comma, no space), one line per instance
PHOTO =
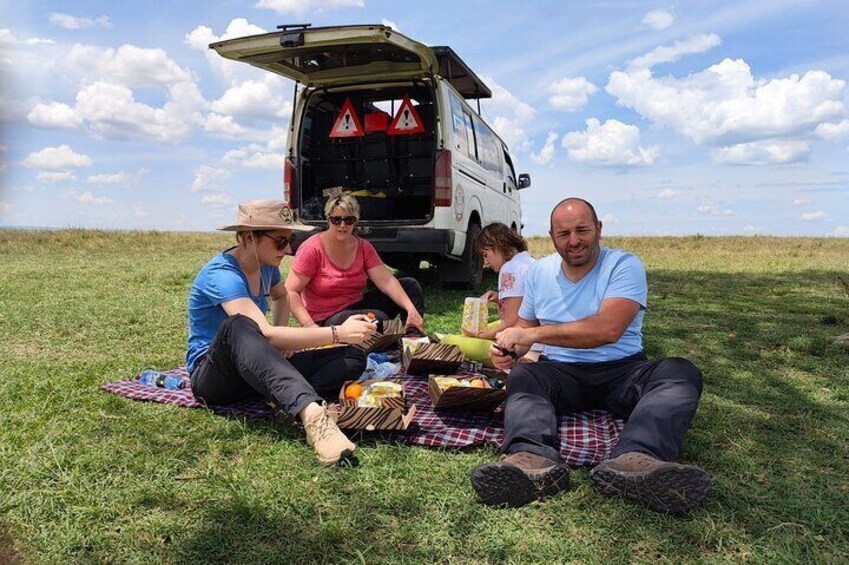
374,393
475,315
477,383
353,391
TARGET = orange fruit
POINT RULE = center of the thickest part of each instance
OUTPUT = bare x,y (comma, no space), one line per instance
353,391
477,383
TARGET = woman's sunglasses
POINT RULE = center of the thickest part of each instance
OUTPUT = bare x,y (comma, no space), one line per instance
281,242
336,220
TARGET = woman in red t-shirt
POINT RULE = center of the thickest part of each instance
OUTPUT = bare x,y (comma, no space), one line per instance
331,269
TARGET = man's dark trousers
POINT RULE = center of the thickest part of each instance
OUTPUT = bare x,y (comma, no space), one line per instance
657,398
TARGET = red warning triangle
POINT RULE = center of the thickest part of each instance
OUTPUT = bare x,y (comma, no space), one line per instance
347,123
407,120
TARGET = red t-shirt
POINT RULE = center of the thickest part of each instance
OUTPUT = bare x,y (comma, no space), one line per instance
332,289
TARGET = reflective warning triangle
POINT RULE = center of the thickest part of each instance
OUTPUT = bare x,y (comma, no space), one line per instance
407,120
347,123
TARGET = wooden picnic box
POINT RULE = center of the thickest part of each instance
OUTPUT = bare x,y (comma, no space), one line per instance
422,358
389,415
393,331
465,397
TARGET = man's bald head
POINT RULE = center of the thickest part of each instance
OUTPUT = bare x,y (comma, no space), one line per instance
573,201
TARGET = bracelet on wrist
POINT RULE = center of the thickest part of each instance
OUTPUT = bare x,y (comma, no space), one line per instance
335,334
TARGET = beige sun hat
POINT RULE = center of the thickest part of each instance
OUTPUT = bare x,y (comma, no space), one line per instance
266,215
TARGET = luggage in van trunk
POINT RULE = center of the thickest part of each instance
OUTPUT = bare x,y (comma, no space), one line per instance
391,175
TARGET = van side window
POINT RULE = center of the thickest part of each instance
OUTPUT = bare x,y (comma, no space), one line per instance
509,172
488,147
470,136
459,121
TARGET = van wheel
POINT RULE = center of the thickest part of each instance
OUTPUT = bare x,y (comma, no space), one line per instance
469,270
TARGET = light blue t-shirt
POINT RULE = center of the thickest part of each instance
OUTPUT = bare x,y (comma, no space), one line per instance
551,298
218,281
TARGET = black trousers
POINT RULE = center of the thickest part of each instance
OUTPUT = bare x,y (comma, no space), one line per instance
381,305
658,400
241,363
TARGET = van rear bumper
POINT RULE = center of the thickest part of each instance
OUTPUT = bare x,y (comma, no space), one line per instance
424,241
436,242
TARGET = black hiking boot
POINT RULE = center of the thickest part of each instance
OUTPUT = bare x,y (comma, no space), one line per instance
519,478
660,485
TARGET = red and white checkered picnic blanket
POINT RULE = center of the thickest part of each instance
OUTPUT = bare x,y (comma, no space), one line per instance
586,438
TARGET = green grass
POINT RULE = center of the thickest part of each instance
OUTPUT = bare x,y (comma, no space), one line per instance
87,476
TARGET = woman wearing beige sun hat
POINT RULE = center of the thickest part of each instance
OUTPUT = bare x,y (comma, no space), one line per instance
234,352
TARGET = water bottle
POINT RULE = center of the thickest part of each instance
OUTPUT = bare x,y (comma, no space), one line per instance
150,377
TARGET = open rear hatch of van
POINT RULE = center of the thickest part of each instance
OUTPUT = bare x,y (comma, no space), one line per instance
331,56
362,75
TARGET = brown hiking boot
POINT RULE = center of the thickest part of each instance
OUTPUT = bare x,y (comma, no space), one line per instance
660,485
330,444
519,478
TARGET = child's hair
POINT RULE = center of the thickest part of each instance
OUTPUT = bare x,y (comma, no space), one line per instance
501,238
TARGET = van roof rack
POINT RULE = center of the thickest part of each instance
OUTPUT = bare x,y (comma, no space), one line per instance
461,77
287,27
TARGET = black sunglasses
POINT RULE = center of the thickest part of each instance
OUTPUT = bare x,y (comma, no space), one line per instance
281,242
336,220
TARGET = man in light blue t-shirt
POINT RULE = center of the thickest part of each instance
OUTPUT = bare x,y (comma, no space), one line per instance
586,304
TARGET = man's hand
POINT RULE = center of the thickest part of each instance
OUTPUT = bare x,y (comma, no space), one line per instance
356,329
415,320
501,361
489,296
509,338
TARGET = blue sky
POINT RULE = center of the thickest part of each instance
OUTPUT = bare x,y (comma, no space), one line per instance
708,117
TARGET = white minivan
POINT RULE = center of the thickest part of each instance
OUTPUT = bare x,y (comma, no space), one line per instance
387,119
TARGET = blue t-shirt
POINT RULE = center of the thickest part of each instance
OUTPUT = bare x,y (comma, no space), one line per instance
551,298
218,281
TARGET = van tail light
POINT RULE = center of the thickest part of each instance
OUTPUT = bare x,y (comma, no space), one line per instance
442,183
289,182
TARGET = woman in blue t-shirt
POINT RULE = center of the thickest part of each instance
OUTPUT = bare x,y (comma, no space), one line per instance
234,352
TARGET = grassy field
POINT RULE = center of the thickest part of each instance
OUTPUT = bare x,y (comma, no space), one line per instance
87,476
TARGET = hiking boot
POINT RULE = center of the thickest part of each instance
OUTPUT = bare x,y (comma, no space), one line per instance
660,485
330,444
519,478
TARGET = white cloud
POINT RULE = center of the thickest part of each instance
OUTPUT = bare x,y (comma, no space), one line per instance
609,219
72,22
709,209
3,148
53,158
87,198
610,144
54,115
833,132
763,152
510,114
5,206
667,194
725,105
114,178
814,216
671,53
39,41
839,231
301,7
55,176
800,201
216,199
390,23
263,99
547,153
749,229
208,177
571,94
254,157
110,110
139,212
127,65
658,19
